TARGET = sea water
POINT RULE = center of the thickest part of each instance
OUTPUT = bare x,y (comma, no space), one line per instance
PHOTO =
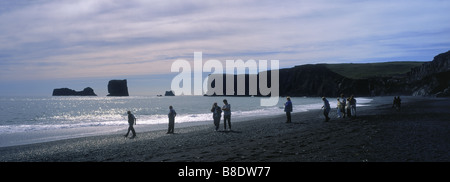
82,115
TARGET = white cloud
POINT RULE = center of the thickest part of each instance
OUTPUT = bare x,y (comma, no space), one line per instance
107,37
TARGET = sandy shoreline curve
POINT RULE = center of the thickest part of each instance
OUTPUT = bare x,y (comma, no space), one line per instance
419,132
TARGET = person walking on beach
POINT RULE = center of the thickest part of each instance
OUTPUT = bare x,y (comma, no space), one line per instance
131,122
343,104
339,108
326,109
288,109
217,114
171,115
226,114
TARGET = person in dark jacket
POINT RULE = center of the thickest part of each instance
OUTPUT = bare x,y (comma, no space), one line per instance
326,108
171,115
131,122
226,114
217,114
288,109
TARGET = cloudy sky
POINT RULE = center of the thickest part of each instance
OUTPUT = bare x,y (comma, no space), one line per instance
46,44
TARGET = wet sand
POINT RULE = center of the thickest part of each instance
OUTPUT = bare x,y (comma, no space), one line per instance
419,132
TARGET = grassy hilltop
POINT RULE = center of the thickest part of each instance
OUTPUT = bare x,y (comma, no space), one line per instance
368,70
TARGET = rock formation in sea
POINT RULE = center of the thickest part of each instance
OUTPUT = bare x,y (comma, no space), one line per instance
169,93
118,88
88,91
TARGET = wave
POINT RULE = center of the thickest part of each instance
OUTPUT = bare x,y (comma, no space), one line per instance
79,117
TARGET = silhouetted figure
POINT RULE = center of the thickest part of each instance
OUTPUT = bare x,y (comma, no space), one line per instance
172,114
288,109
131,122
326,108
353,106
397,103
217,114
343,103
226,114
394,102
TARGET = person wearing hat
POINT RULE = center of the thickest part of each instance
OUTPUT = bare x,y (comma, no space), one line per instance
288,109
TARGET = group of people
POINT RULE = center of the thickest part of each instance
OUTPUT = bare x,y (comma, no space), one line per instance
345,107
216,110
217,114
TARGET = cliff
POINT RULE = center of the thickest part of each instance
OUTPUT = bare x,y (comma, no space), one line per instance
429,79
117,88
318,80
432,78
88,91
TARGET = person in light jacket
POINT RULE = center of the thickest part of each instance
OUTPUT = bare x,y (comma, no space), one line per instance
326,108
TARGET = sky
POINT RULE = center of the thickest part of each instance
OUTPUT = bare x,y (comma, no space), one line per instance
47,44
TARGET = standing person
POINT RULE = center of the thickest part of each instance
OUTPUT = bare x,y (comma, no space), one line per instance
339,107
397,103
343,104
353,105
394,104
171,115
226,114
326,109
288,109
217,114
348,107
131,122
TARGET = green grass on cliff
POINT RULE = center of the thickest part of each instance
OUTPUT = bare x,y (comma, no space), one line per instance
367,70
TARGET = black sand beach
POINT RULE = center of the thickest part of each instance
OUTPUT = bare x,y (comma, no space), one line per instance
419,132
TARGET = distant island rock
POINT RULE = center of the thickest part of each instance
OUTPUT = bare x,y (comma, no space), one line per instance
169,93
117,88
88,91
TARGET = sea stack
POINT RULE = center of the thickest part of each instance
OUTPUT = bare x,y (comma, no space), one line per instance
88,91
117,88
169,93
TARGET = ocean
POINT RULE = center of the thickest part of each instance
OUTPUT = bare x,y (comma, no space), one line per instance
36,119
